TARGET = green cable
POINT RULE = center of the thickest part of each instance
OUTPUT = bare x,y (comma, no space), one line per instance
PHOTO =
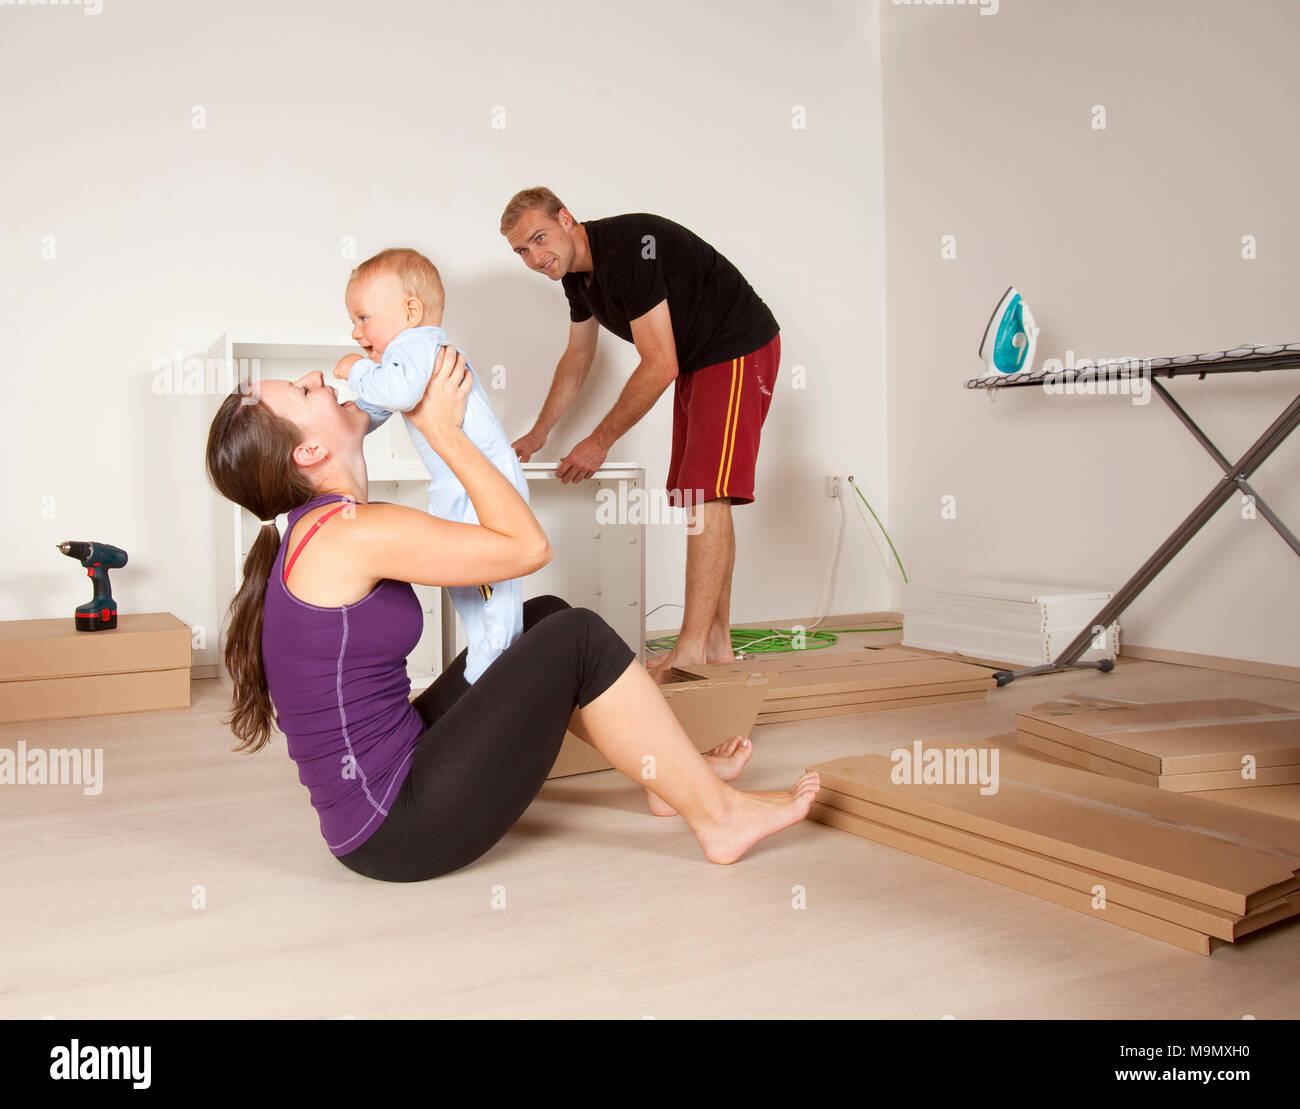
757,641
882,526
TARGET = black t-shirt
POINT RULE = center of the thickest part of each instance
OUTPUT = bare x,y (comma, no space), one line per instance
639,259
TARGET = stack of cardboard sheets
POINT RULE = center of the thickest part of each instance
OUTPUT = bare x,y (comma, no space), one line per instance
807,684
1019,623
1191,872
1181,746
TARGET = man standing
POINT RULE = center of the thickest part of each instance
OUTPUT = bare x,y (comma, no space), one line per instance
695,321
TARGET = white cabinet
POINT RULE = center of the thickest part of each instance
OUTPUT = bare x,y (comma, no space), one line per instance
599,556
599,553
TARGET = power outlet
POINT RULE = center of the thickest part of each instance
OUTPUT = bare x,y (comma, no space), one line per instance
832,486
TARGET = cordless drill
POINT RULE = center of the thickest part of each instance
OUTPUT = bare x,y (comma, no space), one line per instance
100,613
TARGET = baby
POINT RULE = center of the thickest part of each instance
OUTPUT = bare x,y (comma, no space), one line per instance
395,302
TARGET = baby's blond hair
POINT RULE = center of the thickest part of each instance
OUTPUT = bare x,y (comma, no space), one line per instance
414,272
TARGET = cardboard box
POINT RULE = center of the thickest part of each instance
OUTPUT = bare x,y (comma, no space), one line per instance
51,671
709,711
1228,858
1180,745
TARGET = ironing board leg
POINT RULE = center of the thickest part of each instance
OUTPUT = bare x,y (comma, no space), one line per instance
1242,484
1271,516
1265,445
1003,677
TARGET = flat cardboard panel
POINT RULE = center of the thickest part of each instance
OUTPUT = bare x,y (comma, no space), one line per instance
1283,801
1135,921
817,673
1210,853
1178,910
1282,909
1172,737
1082,759
56,649
766,717
1276,801
1265,830
94,694
916,674
1178,783
708,711
869,697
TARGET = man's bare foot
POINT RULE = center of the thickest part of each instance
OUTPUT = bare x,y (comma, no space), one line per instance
750,817
660,667
727,760
718,648
682,656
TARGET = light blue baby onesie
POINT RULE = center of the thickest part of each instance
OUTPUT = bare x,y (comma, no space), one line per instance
396,385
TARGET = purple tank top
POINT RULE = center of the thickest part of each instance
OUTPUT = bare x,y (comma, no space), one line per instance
337,678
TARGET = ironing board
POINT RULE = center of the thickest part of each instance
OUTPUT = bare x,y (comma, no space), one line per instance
1245,359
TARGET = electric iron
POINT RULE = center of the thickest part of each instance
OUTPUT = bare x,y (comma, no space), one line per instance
1010,337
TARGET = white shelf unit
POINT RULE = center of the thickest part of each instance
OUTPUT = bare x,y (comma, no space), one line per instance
596,565
600,566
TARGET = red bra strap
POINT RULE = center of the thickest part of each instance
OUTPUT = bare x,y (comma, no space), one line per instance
298,549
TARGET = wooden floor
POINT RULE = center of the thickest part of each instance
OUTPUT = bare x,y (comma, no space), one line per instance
609,912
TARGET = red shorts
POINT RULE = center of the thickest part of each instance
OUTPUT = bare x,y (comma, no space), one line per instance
718,413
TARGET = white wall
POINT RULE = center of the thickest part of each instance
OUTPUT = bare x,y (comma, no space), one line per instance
1124,241
374,120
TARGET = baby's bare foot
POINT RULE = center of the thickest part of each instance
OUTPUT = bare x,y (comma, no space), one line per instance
727,759
754,816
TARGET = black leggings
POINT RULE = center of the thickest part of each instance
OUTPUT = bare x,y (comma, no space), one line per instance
487,747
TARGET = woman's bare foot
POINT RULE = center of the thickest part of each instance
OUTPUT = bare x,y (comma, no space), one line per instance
749,817
727,759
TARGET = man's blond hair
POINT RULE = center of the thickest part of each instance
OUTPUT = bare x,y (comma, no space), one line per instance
539,198
417,276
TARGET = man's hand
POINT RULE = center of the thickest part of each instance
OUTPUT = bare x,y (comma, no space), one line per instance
528,445
344,365
583,461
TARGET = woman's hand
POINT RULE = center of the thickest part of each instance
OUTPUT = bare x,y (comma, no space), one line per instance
507,542
442,408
